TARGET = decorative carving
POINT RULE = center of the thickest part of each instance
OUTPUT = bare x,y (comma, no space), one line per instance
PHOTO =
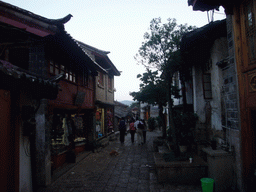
252,82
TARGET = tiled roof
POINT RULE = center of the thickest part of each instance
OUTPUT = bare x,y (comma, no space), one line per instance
99,53
121,110
195,45
23,78
60,21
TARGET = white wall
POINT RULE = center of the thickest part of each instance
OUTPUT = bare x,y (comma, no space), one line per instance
218,53
199,102
25,165
189,94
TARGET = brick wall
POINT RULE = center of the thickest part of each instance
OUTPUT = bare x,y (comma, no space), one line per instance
230,82
231,99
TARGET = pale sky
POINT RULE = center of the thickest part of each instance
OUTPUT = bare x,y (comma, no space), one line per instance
117,26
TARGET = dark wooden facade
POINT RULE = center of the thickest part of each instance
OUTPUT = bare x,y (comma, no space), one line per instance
245,47
28,85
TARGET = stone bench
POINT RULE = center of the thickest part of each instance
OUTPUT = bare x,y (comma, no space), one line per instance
180,172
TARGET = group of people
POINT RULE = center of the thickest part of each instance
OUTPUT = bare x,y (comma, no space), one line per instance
138,126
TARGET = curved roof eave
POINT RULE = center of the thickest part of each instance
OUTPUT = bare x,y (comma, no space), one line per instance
31,22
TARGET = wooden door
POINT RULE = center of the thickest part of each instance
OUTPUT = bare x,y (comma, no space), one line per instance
5,127
245,46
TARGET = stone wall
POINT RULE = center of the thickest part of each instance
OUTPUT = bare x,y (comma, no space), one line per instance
231,100
42,163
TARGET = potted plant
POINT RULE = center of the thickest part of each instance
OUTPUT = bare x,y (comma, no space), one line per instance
185,124
151,123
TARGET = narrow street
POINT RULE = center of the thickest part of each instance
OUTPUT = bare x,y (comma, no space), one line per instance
132,170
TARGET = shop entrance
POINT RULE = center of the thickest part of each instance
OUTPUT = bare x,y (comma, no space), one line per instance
69,135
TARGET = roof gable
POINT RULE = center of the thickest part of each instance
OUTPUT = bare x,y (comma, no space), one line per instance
29,21
196,45
101,58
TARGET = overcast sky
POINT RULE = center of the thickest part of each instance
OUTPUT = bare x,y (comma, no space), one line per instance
116,26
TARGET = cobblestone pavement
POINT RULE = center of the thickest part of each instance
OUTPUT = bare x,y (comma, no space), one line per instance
130,171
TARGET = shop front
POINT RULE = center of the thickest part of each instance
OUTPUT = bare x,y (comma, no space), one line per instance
104,121
69,135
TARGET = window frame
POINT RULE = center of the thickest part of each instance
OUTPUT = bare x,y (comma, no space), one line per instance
207,85
56,69
110,81
250,29
101,79
86,78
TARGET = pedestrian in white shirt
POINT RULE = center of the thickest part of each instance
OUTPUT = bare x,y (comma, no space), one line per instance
139,129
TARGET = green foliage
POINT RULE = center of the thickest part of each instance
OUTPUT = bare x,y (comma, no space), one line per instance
185,124
160,42
151,123
152,89
161,50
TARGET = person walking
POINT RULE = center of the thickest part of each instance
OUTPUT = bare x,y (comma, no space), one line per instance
132,129
122,129
139,128
144,131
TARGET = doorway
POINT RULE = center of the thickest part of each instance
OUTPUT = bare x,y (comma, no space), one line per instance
5,129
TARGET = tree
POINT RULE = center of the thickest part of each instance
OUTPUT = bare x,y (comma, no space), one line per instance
134,104
161,50
161,43
153,91
151,88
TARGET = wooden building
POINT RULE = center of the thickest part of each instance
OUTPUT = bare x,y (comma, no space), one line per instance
104,90
239,83
46,80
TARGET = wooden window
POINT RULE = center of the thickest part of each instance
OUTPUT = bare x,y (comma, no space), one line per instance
86,78
57,69
207,86
101,79
90,81
250,22
207,66
109,83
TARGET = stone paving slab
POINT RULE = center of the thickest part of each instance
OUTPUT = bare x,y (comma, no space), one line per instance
133,170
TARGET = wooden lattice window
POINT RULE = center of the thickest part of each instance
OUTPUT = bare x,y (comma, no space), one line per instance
207,86
57,69
86,78
250,22
109,83
101,79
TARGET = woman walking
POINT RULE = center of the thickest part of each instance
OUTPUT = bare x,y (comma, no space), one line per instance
132,130
122,129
